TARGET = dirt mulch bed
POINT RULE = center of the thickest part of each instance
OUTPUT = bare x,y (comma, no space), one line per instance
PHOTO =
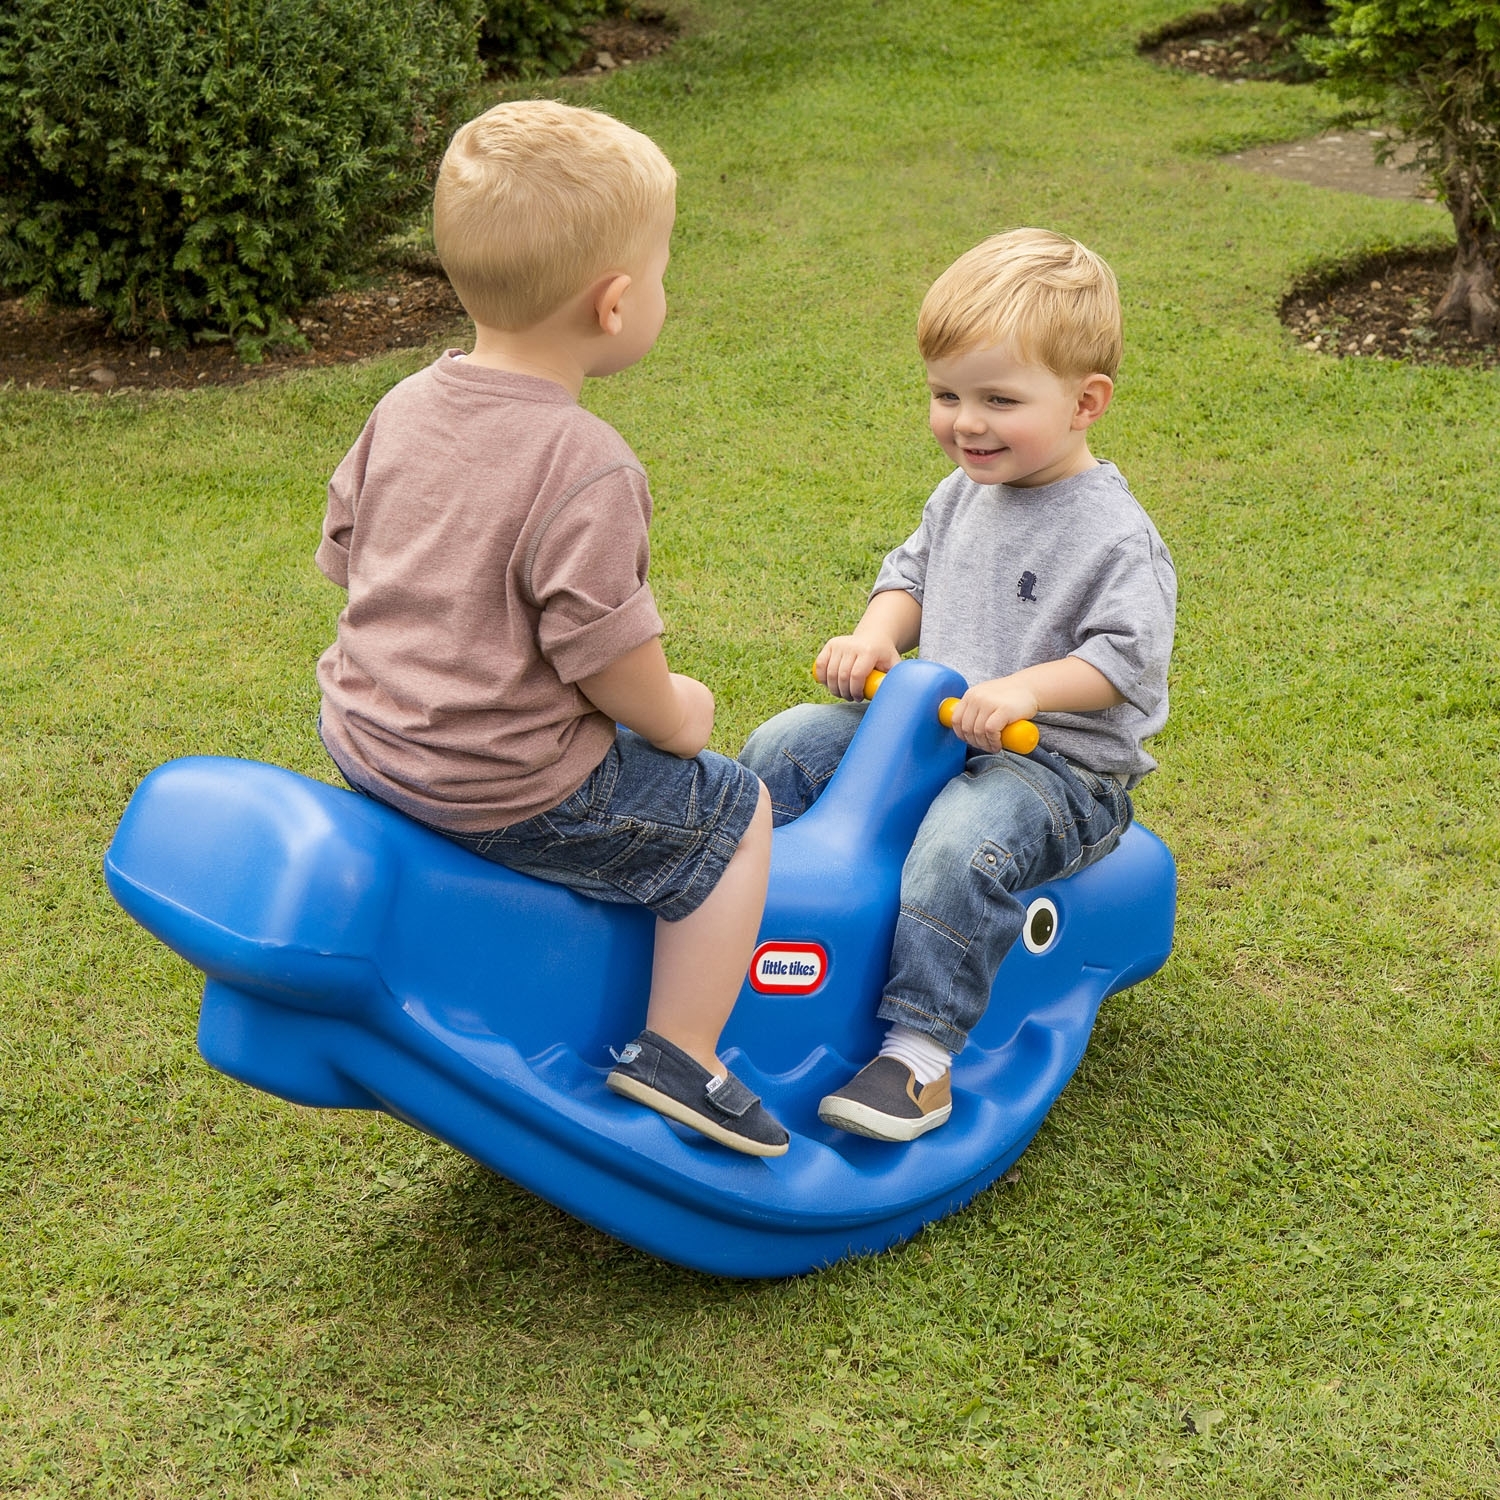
620,41
69,349
1226,42
1383,310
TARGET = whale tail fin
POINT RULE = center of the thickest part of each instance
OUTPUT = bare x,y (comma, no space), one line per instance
259,877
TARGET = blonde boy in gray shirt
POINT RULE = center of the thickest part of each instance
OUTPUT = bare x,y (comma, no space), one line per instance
1036,575
498,672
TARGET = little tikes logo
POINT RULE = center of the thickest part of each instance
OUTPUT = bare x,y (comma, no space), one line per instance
788,968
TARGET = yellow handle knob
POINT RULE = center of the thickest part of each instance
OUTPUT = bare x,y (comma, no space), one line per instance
1020,737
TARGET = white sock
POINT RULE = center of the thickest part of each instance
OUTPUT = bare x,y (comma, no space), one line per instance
928,1059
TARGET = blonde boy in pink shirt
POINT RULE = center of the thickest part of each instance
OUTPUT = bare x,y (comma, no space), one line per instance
498,672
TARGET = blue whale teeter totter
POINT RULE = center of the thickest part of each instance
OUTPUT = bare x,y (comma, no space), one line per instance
356,960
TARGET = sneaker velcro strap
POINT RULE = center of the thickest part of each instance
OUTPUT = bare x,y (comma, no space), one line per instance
730,1097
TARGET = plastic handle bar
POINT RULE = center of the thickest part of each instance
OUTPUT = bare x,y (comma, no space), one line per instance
1020,737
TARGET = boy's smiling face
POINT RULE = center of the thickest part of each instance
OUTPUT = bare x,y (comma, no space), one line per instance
1003,420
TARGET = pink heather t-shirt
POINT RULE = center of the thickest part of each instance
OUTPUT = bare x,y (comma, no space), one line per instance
492,536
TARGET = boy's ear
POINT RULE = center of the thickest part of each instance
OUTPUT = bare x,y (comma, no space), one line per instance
1094,395
605,303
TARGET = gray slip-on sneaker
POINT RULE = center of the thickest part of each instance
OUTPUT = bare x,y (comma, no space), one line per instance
660,1075
885,1102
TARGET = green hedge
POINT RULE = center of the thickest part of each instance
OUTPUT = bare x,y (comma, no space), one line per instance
1295,17
206,166
536,35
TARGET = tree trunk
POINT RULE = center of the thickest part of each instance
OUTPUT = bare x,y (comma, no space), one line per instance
1473,293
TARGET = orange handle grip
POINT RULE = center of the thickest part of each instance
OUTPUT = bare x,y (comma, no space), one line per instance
1020,737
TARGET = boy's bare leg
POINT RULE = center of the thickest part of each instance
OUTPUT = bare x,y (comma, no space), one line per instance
701,961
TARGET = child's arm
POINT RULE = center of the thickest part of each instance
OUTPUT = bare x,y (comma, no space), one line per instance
674,712
1069,685
889,627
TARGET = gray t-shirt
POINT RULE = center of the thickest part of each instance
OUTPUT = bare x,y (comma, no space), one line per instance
1011,577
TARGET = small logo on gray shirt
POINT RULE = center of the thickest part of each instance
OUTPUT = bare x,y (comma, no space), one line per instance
1026,588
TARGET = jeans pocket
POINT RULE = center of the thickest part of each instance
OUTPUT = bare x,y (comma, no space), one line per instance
1096,850
1102,820
593,797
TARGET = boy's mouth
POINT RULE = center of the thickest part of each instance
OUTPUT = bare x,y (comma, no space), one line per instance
980,454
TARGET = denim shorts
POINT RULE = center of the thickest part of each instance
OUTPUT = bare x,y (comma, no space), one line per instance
646,829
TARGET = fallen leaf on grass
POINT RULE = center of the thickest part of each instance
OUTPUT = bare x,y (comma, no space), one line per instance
1203,1421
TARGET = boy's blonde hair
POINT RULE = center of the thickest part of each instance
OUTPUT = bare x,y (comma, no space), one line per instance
1055,302
535,200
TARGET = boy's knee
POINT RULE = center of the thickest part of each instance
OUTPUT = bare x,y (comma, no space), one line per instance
947,851
768,740
814,730
758,749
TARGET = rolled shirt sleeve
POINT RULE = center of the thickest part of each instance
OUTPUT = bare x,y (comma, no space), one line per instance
905,567
1126,628
587,575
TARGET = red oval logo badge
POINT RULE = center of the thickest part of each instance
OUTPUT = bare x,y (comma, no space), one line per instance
788,968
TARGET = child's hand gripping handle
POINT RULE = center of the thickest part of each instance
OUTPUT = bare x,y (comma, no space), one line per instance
1020,737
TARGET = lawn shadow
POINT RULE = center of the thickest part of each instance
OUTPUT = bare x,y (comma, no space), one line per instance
458,1241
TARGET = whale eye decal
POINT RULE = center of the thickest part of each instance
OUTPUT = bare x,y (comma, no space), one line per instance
1040,931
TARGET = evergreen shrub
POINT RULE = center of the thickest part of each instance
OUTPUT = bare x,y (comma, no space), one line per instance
1295,17
206,166
529,36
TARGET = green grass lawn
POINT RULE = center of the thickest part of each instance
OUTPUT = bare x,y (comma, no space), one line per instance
1253,1250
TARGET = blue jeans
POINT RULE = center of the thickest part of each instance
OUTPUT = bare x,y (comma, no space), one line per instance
1004,824
647,828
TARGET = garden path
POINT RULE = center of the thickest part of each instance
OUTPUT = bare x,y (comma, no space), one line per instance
1344,160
